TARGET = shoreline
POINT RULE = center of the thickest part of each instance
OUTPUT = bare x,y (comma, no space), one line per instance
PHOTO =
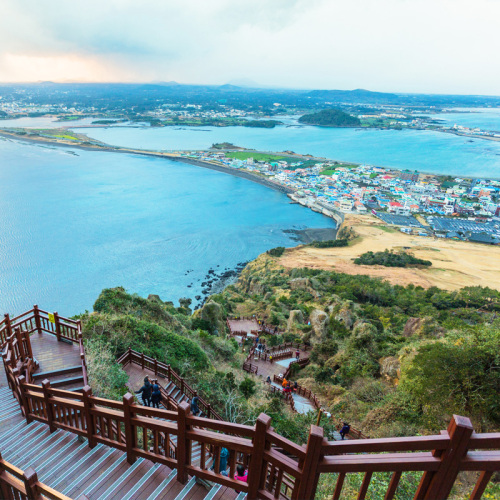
238,173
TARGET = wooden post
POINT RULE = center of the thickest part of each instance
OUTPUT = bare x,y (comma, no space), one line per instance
129,357
30,479
38,323
209,410
182,386
130,439
183,412
58,326
24,400
8,325
320,413
257,470
438,484
156,367
89,418
20,344
142,360
310,474
48,405
169,373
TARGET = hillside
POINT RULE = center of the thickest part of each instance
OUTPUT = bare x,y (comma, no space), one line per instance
330,118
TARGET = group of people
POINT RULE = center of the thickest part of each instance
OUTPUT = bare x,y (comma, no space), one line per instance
150,393
241,473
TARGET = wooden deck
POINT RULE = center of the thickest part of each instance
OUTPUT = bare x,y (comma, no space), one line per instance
243,325
52,354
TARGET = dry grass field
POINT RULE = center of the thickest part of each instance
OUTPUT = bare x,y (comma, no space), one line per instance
455,264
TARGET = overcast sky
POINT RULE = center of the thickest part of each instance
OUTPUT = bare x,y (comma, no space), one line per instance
439,46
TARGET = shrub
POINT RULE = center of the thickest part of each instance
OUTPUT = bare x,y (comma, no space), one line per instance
247,387
330,243
390,259
276,252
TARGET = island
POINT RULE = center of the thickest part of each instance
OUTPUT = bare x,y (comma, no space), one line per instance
331,118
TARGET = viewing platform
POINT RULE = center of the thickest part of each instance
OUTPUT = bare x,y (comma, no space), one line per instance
63,444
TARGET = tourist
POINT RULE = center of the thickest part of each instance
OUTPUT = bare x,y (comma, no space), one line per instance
224,455
297,354
345,430
145,391
194,406
268,380
295,386
275,330
156,396
270,358
288,389
284,383
241,473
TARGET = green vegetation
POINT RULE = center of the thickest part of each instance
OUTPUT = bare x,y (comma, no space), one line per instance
391,259
261,123
245,155
330,243
276,252
331,118
327,172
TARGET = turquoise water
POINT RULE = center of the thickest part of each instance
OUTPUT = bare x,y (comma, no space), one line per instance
485,118
75,222
426,151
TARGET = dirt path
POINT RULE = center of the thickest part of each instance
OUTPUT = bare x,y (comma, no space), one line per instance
455,264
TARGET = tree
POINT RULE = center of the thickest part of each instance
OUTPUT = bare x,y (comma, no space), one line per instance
459,374
247,387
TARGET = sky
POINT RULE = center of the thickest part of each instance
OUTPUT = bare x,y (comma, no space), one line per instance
429,46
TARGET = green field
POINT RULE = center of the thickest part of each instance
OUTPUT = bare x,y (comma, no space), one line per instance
244,155
327,172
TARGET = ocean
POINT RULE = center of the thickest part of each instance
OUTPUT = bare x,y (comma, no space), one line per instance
74,222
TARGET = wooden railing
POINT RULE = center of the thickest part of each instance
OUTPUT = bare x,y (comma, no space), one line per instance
165,371
15,334
277,467
24,485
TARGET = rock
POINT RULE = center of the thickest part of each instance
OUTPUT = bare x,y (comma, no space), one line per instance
423,327
304,284
390,369
319,322
295,317
154,298
345,316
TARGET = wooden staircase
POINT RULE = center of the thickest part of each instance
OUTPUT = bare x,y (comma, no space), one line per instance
68,379
67,464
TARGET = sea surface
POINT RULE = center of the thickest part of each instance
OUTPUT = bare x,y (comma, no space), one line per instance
425,151
74,222
483,118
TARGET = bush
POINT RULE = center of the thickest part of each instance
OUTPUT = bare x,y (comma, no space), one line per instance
247,387
391,259
276,252
330,243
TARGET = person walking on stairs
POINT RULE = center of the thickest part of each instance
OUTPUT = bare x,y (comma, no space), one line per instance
156,396
145,392
194,406
345,430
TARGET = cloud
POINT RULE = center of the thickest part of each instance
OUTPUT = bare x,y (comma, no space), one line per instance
393,45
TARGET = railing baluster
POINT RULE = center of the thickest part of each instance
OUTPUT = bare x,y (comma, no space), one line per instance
481,484
364,485
393,485
338,486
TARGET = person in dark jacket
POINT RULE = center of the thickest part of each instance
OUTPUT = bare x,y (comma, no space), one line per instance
194,406
145,392
156,396
345,430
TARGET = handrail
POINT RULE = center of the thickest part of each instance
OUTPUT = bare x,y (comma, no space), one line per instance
274,472
16,483
161,369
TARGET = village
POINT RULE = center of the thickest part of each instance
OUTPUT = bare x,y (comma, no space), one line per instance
423,204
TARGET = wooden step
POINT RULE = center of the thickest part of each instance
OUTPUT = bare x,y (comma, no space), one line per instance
66,382
56,373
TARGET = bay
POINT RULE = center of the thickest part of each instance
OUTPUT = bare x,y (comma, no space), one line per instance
425,151
75,222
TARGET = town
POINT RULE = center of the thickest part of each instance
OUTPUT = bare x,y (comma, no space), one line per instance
423,204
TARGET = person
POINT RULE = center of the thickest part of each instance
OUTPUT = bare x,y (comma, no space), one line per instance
156,396
241,473
194,406
145,392
288,388
268,380
224,455
297,354
270,358
284,383
275,330
295,386
345,430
